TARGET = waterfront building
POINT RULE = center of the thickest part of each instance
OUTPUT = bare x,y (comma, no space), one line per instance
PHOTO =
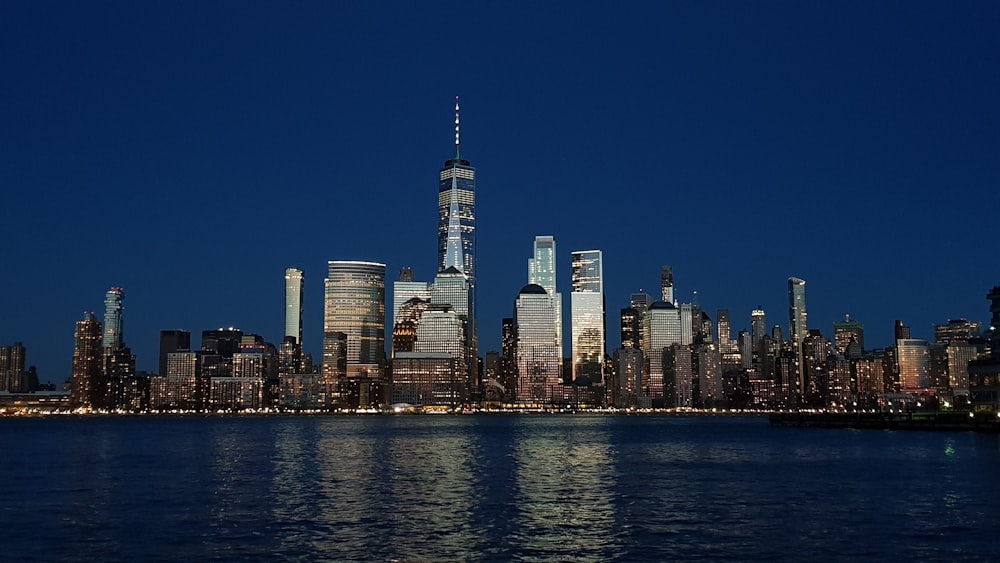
126,390
180,384
913,364
959,354
87,381
848,331
708,358
354,304
508,355
538,363
628,371
678,376
172,340
666,285
542,271
984,373
452,288
12,369
114,309
442,331
587,304
661,329
797,328
427,379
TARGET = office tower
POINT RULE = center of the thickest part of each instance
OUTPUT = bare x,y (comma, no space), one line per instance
641,301
403,291
404,330
457,229
180,385
508,357
956,330
354,304
334,366
542,271
223,342
661,328
171,341
913,364
758,325
724,330
114,308
87,385
452,288
797,327
631,328
628,371
667,284
587,304
709,361
294,292
687,320
847,331
901,331
12,369
745,346
539,366
442,331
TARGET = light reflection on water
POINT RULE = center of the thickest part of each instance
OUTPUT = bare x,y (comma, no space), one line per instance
490,488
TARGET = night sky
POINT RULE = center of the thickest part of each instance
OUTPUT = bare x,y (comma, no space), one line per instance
191,151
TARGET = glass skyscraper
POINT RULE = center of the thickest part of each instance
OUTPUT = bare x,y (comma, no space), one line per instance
457,228
294,285
539,366
542,271
354,304
114,309
797,329
587,303
661,328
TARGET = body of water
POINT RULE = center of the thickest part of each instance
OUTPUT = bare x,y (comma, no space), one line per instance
491,488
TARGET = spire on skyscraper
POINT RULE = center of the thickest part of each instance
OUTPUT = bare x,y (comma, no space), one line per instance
457,157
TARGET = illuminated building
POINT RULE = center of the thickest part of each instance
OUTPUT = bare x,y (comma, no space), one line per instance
404,291
294,293
758,326
354,304
452,288
587,309
180,384
667,285
687,323
87,381
404,330
443,331
631,328
538,363
427,379
172,341
114,308
957,330
12,368
848,331
542,271
457,233
724,330
661,328
797,328
913,364
709,360
508,357
628,371
678,376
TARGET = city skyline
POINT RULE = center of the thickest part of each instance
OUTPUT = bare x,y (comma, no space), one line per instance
840,150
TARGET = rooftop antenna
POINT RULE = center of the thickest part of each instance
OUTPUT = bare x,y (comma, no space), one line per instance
456,129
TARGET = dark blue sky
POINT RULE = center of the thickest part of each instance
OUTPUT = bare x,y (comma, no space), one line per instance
190,151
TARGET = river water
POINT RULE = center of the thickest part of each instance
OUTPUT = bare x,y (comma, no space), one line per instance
491,488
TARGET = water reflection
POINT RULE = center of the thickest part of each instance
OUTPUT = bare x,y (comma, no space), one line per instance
563,489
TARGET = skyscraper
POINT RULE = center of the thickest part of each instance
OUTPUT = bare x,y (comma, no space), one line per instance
797,329
404,289
725,331
661,329
294,292
848,331
587,303
354,304
758,325
542,271
87,385
114,309
172,341
667,284
538,365
457,226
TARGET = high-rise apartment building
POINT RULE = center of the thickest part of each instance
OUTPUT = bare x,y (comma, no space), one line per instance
539,367
87,385
913,357
294,293
354,304
587,309
725,331
797,328
114,309
457,226
542,271
12,368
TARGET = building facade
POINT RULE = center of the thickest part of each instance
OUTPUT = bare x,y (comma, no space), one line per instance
587,310
354,304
